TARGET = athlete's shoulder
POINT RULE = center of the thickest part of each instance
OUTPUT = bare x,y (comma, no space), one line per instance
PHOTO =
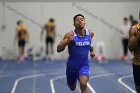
133,28
22,26
18,28
91,33
138,26
68,34
50,24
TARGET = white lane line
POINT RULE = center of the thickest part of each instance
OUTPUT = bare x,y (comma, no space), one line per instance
34,84
97,76
125,85
119,80
34,80
52,82
91,88
63,76
102,75
11,73
7,75
22,78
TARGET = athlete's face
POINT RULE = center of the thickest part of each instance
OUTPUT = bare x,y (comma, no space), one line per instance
79,22
21,23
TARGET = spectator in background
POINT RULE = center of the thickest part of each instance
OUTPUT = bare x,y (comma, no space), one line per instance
125,29
22,37
49,27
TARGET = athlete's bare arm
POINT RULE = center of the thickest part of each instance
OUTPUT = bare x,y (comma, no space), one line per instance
54,30
27,35
42,31
92,54
68,37
16,36
91,34
134,36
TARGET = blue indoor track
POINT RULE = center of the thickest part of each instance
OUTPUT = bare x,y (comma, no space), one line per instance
49,77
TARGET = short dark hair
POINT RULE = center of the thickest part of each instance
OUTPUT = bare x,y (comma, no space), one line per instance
125,19
19,21
135,22
77,15
51,20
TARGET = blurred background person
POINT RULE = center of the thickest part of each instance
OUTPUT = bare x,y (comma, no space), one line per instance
134,47
49,27
125,27
22,37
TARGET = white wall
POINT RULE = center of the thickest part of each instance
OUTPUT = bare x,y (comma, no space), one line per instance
111,12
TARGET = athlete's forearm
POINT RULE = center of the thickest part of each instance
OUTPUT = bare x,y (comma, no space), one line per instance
41,35
91,48
92,54
61,46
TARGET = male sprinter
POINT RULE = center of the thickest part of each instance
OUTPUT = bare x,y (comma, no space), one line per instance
22,36
78,42
134,46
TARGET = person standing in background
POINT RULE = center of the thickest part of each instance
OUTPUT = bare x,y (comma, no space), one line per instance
125,29
49,27
22,37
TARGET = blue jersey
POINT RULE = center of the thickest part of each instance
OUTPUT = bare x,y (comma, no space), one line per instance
79,50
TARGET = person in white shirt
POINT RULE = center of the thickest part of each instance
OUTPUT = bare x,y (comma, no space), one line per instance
125,29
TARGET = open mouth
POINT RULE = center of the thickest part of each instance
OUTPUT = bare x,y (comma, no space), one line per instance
80,24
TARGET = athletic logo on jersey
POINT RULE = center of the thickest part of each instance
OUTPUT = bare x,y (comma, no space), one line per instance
82,43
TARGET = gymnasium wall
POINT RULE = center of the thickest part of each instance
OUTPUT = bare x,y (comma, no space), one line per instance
104,18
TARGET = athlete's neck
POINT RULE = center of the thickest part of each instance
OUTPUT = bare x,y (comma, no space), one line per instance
80,32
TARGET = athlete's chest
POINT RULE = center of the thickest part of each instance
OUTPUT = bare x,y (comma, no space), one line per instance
84,41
